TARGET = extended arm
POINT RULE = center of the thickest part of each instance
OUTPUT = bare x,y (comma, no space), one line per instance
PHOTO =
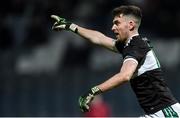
97,38
125,74
127,70
91,35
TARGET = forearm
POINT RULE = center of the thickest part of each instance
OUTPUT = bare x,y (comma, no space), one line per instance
96,37
91,35
113,82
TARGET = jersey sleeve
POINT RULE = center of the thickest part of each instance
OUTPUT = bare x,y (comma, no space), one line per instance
136,50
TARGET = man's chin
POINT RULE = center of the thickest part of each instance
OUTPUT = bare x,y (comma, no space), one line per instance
117,37
120,40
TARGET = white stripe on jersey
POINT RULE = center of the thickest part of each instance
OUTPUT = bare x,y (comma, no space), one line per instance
131,59
150,63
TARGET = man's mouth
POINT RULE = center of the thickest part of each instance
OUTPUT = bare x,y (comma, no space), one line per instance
116,33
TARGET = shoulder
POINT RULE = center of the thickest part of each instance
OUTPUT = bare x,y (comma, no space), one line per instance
138,41
137,48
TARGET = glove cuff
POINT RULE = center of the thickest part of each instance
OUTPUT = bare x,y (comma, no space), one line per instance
95,90
73,27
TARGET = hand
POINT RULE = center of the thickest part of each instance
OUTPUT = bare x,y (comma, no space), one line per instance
63,24
85,100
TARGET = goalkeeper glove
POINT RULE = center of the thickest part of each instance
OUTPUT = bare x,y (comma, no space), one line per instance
85,100
63,24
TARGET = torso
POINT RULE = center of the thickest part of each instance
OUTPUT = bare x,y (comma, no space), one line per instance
148,83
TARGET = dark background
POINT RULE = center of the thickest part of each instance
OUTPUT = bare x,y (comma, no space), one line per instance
42,72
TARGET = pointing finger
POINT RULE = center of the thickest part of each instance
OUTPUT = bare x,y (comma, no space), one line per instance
55,17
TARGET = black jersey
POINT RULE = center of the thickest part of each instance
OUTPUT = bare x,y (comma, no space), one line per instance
147,82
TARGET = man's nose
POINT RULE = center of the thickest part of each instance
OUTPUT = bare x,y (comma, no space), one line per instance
113,28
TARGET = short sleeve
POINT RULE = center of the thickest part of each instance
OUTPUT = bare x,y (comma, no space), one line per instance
137,49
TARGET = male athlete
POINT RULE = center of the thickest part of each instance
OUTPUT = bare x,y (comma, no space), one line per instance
140,65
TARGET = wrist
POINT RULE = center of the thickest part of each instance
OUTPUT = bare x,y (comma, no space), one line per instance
73,27
95,90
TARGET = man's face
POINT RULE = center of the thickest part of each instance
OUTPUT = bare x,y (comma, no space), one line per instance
120,28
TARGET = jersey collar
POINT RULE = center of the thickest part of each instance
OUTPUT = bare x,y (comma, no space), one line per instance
130,38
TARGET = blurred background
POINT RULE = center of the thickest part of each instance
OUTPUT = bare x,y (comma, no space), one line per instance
42,72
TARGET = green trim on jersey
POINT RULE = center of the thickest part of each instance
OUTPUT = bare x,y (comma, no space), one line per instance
169,113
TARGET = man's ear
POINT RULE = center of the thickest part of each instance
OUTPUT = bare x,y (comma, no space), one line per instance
131,25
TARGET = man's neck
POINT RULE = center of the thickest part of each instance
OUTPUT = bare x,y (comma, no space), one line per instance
130,38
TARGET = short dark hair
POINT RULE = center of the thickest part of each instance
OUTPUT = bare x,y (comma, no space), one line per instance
128,10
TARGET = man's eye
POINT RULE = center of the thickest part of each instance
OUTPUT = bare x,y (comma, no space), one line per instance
117,23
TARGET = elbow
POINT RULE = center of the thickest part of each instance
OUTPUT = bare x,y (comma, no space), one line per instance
126,78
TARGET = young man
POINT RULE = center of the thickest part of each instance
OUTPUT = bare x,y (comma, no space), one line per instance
140,66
